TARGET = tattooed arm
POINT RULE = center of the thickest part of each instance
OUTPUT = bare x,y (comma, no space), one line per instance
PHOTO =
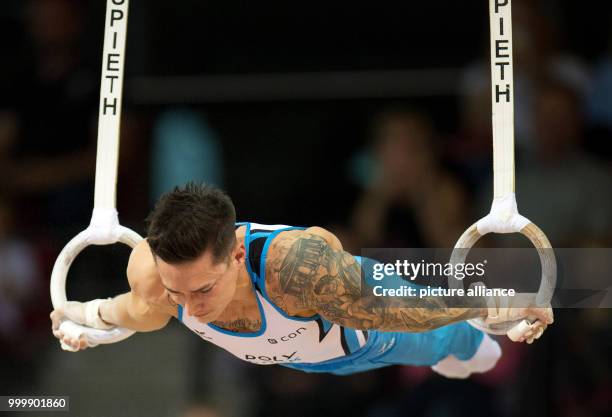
313,273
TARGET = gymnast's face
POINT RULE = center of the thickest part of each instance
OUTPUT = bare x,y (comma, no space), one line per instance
204,286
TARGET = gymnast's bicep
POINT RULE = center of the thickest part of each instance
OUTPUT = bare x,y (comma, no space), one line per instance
312,275
145,307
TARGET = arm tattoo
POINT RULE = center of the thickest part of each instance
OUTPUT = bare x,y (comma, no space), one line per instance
321,278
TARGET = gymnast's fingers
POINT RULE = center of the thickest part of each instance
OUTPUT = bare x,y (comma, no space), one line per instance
75,344
536,332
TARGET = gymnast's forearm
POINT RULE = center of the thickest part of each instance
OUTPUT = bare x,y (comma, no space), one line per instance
404,315
130,311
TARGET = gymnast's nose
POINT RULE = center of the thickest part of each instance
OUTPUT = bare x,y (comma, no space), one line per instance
193,307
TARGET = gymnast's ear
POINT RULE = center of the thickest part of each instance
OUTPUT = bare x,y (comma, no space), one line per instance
239,253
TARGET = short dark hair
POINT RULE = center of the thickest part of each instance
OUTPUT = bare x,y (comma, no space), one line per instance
190,220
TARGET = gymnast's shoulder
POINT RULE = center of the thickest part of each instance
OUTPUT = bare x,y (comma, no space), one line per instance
286,239
143,277
331,239
299,244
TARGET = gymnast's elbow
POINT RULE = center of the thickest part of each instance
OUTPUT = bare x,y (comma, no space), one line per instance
144,317
152,324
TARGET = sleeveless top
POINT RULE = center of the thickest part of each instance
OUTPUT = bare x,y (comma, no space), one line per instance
282,339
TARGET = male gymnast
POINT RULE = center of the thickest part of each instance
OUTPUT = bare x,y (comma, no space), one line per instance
284,295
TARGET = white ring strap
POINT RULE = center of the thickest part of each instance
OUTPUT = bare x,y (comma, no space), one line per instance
111,88
502,96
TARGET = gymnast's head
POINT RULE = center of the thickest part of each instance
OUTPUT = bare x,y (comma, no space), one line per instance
191,233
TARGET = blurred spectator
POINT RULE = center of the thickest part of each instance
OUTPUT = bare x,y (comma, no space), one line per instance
410,200
185,149
133,177
600,100
536,56
470,147
599,106
19,276
19,300
560,187
48,158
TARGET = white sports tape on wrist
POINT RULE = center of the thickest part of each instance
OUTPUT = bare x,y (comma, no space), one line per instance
517,332
92,315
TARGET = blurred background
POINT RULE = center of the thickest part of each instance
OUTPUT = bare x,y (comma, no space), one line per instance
372,120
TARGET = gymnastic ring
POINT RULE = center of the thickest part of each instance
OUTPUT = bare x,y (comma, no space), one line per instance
511,222
58,285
